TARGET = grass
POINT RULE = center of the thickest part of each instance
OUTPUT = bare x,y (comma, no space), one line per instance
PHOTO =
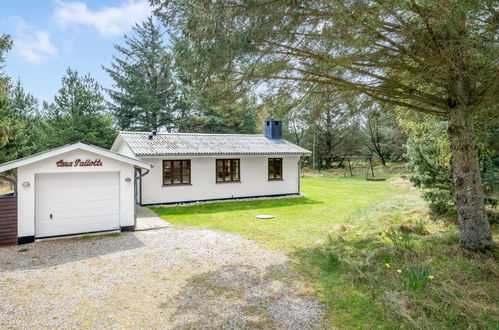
334,237
298,222
416,277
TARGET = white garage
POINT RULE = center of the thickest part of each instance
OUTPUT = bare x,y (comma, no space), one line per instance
74,189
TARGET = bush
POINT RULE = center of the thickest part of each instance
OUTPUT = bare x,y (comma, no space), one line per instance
429,160
428,154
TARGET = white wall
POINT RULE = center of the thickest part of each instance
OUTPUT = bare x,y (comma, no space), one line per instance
26,195
254,180
124,149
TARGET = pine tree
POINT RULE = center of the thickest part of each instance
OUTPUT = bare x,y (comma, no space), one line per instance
25,108
78,113
10,128
144,92
6,131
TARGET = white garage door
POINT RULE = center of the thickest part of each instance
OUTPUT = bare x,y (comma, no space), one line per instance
72,203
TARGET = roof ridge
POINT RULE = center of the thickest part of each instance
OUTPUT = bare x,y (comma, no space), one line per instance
182,133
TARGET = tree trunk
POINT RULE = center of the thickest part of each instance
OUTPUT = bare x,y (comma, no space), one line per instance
329,162
475,228
313,153
383,161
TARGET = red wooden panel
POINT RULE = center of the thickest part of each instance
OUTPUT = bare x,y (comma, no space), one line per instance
8,221
7,234
9,242
9,229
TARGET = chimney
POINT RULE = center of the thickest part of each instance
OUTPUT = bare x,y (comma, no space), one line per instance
273,129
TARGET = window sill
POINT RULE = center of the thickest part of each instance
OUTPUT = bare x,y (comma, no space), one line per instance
177,184
217,182
275,180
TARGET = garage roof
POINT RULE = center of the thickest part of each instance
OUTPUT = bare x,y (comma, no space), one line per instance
70,147
206,144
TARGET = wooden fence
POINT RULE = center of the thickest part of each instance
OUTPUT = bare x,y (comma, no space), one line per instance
8,221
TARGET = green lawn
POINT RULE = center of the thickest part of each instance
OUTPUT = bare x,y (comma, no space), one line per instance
333,237
299,222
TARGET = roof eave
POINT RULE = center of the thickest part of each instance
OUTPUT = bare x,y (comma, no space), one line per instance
70,147
223,154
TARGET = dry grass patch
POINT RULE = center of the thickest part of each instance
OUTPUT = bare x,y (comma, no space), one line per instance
427,284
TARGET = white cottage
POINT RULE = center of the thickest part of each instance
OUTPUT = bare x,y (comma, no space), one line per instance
190,167
80,188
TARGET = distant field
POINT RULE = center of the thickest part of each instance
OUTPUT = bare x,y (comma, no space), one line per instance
333,235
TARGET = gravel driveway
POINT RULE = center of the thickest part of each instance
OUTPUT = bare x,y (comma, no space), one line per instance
166,278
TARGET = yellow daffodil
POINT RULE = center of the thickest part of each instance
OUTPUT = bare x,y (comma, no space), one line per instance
430,277
396,232
387,265
399,271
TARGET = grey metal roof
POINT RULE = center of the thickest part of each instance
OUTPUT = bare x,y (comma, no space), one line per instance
207,144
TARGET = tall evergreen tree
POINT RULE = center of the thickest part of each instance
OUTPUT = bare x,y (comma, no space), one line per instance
78,113
25,111
6,130
144,94
211,105
10,128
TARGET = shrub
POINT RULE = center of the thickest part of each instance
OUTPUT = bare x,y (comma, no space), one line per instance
428,154
429,160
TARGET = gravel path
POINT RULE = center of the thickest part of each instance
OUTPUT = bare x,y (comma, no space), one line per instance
166,278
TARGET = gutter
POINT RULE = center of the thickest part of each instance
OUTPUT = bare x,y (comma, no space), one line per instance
142,175
299,173
137,177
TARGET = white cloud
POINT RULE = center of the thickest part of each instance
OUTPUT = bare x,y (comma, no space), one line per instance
31,44
108,21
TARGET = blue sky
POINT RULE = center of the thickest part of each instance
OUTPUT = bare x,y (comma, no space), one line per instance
51,35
